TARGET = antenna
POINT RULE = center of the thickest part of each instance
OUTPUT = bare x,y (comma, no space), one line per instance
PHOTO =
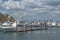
21,15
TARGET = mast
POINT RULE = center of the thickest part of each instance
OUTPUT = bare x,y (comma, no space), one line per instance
21,18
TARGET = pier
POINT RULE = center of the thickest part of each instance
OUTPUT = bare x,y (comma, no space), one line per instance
22,29
32,26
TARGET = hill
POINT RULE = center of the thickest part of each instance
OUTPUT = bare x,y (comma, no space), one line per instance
5,18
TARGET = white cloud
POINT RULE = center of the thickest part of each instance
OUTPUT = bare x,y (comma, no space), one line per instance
32,7
11,4
41,5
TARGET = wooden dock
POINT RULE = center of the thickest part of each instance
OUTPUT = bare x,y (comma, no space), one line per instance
29,29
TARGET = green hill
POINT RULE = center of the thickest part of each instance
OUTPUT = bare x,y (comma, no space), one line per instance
5,18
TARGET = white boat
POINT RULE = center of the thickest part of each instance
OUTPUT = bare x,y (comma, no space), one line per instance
8,26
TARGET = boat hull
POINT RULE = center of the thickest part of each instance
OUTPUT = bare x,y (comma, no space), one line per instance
8,29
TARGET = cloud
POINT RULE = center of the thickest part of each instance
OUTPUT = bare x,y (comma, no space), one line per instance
1,1
38,9
33,6
52,2
11,4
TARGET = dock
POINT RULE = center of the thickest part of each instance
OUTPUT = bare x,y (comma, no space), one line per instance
31,26
30,29
24,26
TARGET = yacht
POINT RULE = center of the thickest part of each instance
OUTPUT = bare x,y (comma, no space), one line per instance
8,26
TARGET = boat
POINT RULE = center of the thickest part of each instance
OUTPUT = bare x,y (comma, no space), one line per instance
8,27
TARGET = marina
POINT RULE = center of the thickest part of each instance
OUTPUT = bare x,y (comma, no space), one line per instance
29,19
27,26
11,25
24,26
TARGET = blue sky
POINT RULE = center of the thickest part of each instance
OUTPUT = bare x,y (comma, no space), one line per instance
31,7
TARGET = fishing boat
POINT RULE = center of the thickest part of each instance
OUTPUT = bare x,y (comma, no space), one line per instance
7,26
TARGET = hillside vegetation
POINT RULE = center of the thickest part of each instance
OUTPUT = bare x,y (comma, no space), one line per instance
5,18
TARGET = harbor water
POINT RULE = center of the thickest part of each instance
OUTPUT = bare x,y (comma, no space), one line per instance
53,33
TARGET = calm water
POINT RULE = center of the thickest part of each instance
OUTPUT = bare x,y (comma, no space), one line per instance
52,33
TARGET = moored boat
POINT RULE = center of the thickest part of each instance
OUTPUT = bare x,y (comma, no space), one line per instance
8,27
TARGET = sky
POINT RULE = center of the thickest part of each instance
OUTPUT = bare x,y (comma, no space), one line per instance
31,8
